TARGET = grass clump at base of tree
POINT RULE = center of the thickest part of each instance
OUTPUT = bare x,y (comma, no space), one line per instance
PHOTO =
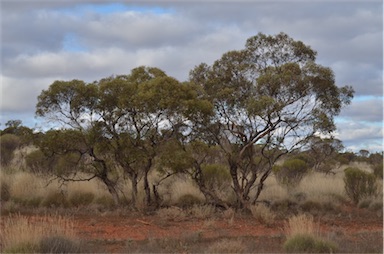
263,214
303,237
39,234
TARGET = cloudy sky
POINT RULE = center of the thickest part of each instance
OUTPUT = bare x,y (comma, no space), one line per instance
44,41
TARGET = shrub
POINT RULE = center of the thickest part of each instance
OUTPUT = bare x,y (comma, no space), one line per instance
291,172
79,198
310,205
55,199
105,201
216,175
188,200
37,162
4,191
359,184
24,247
8,144
303,237
378,170
308,244
58,244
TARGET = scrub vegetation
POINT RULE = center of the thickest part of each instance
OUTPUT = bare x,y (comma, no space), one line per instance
249,136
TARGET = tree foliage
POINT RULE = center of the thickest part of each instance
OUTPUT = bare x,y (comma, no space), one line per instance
271,94
236,117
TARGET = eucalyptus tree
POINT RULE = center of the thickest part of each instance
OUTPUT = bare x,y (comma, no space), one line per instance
269,99
120,122
72,106
142,112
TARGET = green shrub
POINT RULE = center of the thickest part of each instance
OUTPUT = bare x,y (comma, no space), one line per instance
308,244
66,163
5,193
80,198
55,199
291,172
58,244
23,248
8,144
105,201
310,205
376,206
378,170
37,162
216,175
188,200
359,184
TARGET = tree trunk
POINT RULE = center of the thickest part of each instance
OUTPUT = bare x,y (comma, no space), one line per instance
241,200
111,189
261,184
147,189
210,196
133,178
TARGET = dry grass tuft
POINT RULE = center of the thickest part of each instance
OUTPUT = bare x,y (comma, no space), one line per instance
227,246
18,230
304,237
263,213
202,211
172,214
300,225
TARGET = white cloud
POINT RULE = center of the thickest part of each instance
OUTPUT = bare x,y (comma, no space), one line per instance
44,41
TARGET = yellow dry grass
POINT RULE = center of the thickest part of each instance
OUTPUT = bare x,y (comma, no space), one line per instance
18,229
302,224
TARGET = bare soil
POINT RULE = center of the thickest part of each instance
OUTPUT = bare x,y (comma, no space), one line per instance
354,230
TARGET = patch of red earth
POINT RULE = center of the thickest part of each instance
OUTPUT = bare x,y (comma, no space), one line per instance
119,228
350,221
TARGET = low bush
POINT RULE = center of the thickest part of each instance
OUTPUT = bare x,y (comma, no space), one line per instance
216,175
303,237
37,162
310,205
291,172
359,184
55,199
24,247
5,193
80,198
308,244
105,201
8,145
58,244
378,170
188,200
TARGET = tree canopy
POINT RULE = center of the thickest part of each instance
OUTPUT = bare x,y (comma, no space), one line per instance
246,110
